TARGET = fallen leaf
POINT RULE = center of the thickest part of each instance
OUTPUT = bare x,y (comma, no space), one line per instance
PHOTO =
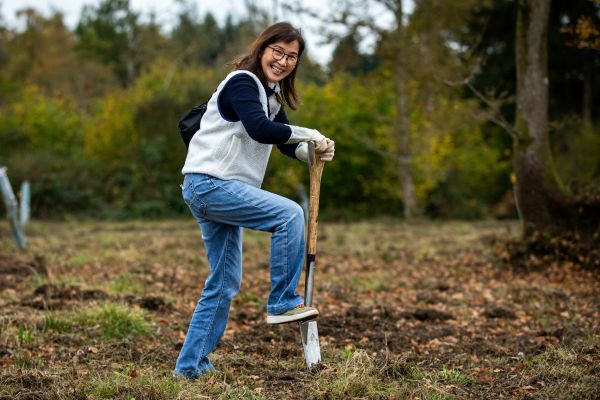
527,388
539,340
451,340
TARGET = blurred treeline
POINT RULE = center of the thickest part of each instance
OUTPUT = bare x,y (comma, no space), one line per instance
89,114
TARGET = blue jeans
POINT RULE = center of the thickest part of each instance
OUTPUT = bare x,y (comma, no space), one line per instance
222,208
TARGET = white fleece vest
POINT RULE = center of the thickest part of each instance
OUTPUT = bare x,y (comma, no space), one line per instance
224,149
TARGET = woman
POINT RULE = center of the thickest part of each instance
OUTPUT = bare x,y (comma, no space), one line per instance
224,170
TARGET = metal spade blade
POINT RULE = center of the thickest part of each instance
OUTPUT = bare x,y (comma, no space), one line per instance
310,343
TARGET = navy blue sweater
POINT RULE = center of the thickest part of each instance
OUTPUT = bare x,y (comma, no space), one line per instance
239,100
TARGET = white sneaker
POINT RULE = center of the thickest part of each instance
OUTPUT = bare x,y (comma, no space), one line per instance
300,313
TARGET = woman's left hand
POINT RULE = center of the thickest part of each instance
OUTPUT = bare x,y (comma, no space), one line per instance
325,149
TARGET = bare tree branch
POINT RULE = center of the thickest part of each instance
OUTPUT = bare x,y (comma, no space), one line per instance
176,62
362,139
494,114
345,14
391,5
492,105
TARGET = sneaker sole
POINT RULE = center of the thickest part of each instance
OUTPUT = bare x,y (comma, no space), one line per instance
283,319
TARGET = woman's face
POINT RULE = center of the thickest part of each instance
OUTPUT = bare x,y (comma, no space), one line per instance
279,59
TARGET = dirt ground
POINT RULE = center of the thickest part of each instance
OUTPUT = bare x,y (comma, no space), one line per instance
421,310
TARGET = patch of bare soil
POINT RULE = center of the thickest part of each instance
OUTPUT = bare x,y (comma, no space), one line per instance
54,297
14,267
152,303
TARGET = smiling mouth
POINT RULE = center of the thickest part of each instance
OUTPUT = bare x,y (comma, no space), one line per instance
276,69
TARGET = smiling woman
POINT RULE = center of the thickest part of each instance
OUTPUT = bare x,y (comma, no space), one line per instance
224,170
279,64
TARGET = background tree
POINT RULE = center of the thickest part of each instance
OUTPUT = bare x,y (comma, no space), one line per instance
551,143
544,203
571,61
43,54
417,51
109,33
197,42
352,16
346,57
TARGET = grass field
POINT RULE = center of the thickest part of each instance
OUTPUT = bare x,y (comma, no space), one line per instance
422,310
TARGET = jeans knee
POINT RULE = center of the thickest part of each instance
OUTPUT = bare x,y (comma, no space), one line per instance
232,288
225,285
295,215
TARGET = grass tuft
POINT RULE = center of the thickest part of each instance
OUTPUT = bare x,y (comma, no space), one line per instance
565,372
55,322
114,321
26,360
125,284
353,374
356,374
374,282
123,385
449,376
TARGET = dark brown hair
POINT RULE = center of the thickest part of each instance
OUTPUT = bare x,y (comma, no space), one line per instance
281,31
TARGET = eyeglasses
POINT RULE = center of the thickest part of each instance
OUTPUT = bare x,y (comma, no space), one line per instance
278,54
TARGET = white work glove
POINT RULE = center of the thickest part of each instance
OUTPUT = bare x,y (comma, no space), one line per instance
302,151
323,149
300,134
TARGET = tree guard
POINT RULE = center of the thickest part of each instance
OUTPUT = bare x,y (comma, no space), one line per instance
11,205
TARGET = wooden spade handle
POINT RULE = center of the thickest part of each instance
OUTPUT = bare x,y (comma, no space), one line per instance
316,170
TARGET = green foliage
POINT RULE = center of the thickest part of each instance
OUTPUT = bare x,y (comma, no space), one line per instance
123,158
347,58
576,138
44,140
362,179
33,121
108,33
89,117
133,135
458,171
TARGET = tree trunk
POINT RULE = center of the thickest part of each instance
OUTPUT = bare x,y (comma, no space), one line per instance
544,203
401,122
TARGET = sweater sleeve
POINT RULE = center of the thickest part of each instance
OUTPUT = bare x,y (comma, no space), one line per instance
287,149
240,101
